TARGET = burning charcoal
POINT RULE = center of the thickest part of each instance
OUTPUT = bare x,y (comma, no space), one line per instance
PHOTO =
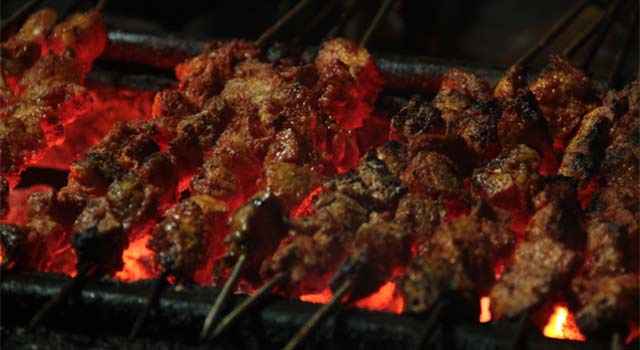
512,82
511,180
552,238
433,174
582,155
564,94
181,240
460,256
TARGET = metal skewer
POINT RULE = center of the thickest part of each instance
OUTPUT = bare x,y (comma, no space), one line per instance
246,304
267,34
18,15
619,60
63,295
581,39
350,9
319,315
600,36
552,33
159,285
223,296
375,22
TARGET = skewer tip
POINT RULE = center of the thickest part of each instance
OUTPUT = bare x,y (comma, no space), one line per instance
304,331
222,297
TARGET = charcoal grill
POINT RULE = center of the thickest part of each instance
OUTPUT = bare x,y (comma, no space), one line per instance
104,311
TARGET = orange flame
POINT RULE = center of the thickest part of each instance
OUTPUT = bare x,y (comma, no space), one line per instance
485,310
385,299
137,261
562,325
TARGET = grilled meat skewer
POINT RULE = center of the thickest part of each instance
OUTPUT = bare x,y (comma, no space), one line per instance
181,243
256,228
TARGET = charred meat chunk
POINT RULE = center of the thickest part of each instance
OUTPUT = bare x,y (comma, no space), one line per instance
586,148
256,229
608,302
513,81
564,94
99,238
432,173
205,75
458,91
511,180
460,256
419,216
182,239
290,182
548,256
522,122
418,117
380,247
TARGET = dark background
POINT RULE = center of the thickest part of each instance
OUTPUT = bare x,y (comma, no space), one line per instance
490,32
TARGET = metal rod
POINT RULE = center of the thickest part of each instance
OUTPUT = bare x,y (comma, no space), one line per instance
318,316
63,295
324,12
342,20
579,40
16,16
152,302
601,35
553,32
101,4
376,21
247,303
222,297
433,319
622,54
282,21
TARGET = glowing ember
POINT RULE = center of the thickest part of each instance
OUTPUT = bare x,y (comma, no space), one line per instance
561,325
485,310
385,299
318,298
137,261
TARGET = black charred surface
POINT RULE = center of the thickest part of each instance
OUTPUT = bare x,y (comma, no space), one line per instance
106,310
